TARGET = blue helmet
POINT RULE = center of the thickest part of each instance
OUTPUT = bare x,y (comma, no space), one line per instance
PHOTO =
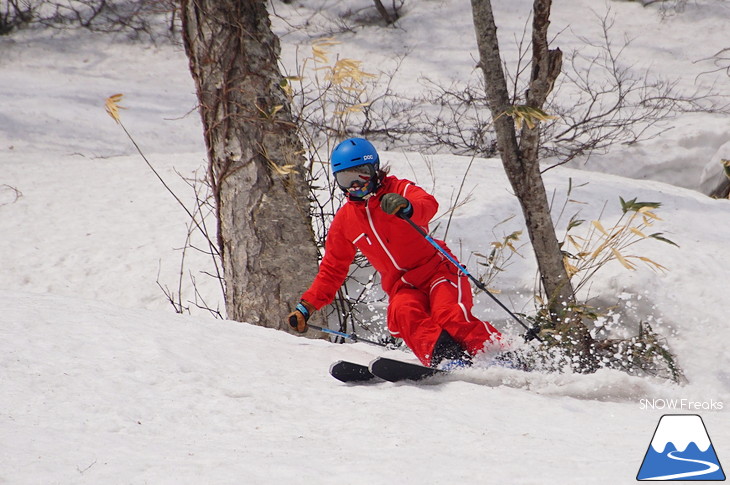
353,152
357,163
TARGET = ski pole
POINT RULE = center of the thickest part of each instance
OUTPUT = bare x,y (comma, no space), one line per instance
350,336
531,332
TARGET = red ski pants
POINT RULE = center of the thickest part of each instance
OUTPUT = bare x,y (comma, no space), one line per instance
418,315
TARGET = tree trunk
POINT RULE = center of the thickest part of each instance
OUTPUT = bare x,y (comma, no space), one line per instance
384,13
722,191
255,159
520,160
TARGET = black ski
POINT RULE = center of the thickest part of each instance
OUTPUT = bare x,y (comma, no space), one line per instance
381,368
397,370
345,371
394,370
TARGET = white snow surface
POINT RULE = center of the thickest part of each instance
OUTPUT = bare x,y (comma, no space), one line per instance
101,382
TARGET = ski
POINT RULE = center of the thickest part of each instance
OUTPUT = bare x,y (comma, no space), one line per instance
394,370
381,368
397,370
345,371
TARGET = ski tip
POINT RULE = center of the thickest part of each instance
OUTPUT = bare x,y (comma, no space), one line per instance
349,372
335,364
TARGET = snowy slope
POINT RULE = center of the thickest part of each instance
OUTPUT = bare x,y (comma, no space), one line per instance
100,382
96,393
92,393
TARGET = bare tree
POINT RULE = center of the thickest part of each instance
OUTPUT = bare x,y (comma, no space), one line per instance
646,353
520,158
387,16
722,191
256,163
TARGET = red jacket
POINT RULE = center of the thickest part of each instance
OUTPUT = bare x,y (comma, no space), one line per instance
393,247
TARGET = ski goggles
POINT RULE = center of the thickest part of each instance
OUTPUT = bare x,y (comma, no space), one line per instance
355,179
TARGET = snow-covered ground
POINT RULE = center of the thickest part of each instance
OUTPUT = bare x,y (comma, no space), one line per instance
100,382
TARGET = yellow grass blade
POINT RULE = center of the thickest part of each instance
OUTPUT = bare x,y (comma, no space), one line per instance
326,42
599,250
575,244
319,54
622,260
652,264
646,212
599,226
112,106
282,169
571,269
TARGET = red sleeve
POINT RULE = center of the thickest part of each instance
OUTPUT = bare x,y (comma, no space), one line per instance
424,204
338,255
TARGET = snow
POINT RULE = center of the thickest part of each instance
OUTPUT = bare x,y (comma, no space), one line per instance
101,382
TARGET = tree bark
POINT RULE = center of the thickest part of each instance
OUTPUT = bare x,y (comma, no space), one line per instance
384,13
256,163
722,191
520,159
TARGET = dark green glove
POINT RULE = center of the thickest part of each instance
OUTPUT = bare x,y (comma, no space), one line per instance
396,204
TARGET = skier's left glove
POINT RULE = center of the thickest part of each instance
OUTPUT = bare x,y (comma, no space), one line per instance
396,204
298,318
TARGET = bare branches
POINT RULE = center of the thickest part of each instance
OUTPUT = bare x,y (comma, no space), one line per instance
196,226
9,194
454,118
721,61
600,102
134,17
612,103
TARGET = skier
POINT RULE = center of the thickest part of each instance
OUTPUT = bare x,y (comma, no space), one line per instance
430,302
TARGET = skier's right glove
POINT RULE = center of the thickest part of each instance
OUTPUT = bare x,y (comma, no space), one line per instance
298,318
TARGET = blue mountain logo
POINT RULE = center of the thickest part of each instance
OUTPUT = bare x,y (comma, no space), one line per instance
681,450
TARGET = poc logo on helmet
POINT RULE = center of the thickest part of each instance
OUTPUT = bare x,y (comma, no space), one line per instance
368,157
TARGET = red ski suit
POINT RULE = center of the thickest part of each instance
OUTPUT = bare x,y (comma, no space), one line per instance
426,292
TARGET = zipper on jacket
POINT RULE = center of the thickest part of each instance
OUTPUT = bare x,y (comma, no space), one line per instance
377,236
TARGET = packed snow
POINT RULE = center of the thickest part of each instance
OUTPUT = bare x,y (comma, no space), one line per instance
102,382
